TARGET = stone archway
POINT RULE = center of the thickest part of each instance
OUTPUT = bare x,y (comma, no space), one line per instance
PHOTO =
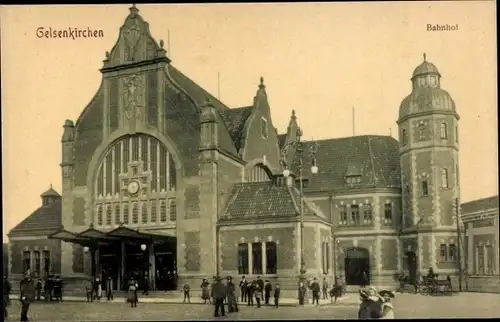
357,266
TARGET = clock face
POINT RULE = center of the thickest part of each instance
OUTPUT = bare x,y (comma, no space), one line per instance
133,187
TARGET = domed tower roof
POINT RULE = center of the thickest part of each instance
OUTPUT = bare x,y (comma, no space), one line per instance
427,95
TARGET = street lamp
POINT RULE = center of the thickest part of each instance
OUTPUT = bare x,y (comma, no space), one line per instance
287,174
143,247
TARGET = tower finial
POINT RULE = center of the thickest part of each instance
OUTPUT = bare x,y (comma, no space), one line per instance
261,85
425,57
133,10
51,185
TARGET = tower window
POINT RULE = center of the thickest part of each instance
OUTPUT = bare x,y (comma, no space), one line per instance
367,218
443,131
343,214
387,213
456,133
403,136
444,178
443,252
355,214
263,128
425,188
421,131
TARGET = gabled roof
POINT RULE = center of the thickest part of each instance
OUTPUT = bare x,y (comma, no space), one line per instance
263,200
43,221
281,139
375,158
480,205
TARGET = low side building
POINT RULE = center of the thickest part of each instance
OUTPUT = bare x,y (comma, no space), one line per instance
480,218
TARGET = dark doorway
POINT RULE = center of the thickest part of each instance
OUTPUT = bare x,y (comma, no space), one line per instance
110,258
137,264
166,265
357,266
411,260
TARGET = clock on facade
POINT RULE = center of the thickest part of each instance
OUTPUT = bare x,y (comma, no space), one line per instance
133,187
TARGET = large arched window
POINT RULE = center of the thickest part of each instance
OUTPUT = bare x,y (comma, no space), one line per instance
136,174
259,173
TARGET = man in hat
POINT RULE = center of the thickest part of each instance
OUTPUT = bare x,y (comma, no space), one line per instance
387,307
260,284
6,300
267,291
219,293
371,304
27,295
232,303
243,289
315,291
109,288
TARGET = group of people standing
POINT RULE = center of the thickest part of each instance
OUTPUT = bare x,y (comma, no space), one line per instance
375,305
260,290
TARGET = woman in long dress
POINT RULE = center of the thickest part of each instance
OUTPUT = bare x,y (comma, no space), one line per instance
205,291
132,293
387,307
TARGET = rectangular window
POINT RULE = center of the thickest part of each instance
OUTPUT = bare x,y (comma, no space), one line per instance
443,252
388,213
343,214
490,255
421,132
443,131
271,258
480,260
452,252
425,188
355,214
38,262
242,259
444,178
26,261
327,257
263,128
257,258
46,261
367,218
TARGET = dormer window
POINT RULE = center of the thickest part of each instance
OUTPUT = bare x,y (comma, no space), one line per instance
263,128
353,173
353,179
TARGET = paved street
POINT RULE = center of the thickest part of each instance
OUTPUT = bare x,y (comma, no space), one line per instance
406,305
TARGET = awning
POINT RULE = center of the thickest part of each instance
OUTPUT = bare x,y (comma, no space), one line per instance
70,237
95,234
123,232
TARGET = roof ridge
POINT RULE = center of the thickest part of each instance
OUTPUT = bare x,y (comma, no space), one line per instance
371,161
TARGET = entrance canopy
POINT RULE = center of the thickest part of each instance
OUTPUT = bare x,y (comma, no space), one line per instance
92,236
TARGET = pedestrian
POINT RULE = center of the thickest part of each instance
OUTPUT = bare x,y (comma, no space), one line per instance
232,300
89,289
38,288
50,287
27,295
58,289
219,293
109,288
258,294
364,279
212,296
387,306
371,306
277,292
6,293
146,285
132,292
315,291
243,289
336,291
260,284
267,291
97,282
325,288
99,290
205,291
301,293
250,292
186,293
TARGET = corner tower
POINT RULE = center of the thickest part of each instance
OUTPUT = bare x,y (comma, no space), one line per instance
429,150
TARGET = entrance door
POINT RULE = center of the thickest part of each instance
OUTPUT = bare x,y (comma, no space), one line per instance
357,266
110,265
166,266
411,259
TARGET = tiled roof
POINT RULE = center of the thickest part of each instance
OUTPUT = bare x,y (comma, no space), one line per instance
281,139
46,218
51,193
480,205
374,158
235,119
263,200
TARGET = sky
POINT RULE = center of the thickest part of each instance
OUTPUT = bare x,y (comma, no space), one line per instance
321,59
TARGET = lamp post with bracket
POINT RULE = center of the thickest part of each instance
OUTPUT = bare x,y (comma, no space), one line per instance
288,174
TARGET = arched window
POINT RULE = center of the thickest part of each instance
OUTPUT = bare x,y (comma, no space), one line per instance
117,214
135,213
243,259
259,173
425,188
173,210
443,131
163,211
135,167
271,258
109,215
144,217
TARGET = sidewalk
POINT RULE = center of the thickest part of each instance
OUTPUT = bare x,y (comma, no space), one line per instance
175,299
